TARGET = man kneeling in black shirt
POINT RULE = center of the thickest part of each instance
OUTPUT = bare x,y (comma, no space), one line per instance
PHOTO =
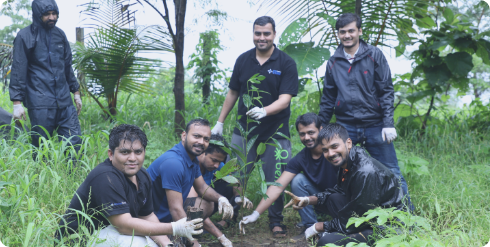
363,183
117,195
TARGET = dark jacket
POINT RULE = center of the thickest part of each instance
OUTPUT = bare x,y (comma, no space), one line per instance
42,76
368,184
362,92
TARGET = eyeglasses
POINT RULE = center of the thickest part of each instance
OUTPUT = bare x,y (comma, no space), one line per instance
351,31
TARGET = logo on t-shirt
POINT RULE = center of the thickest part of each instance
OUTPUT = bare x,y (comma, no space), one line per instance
275,72
144,201
117,204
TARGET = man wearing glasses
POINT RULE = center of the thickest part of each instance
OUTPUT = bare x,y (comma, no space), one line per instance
359,90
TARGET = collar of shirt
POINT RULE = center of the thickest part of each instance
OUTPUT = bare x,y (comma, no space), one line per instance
181,150
274,55
349,57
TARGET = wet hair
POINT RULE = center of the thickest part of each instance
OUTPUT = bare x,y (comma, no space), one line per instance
346,19
333,130
263,20
197,122
217,148
126,132
307,119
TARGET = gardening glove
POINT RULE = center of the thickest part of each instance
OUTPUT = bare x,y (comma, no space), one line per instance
218,129
297,202
19,112
257,113
310,232
225,207
183,228
248,219
246,202
389,133
224,241
78,102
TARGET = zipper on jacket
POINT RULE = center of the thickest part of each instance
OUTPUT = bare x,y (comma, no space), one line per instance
349,69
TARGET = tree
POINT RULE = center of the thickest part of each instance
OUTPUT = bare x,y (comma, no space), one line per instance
110,57
443,61
18,11
177,38
206,62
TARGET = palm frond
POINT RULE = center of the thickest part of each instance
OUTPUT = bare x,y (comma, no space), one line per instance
383,20
6,55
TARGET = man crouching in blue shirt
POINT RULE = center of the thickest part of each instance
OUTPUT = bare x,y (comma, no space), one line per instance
177,170
210,162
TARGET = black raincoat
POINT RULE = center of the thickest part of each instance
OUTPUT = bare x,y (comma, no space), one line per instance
42,76
362,92
368,184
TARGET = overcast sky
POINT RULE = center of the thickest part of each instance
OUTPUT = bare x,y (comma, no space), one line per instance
235,35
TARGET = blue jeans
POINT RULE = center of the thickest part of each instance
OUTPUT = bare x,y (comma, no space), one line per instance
370,138
302,186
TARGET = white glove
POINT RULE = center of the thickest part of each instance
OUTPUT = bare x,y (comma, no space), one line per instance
183,228
246,202
257,113
225,207
78,102
297,202
218,129
19,112
310,232
224,241
389,133
249,219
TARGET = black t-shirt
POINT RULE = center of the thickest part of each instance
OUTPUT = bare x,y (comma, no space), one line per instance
106,192
281,77
319,171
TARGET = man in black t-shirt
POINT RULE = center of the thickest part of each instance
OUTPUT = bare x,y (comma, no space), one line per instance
309,173
117,197
272,110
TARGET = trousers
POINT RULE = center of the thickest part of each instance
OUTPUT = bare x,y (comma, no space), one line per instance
274,162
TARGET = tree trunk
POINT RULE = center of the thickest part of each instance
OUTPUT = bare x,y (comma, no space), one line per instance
179,124
206,78
80,36
358,8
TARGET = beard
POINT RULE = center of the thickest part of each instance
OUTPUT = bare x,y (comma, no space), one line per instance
315,144
189,148
49,24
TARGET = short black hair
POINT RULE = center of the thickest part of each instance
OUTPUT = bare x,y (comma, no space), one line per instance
263,20
126,132
197,121
333,130
346,19
215,147
307,119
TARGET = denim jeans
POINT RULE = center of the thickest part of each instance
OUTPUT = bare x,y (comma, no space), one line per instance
370,138
302,186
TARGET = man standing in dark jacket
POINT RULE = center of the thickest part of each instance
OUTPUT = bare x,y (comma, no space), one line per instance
359,90
42,77
363,183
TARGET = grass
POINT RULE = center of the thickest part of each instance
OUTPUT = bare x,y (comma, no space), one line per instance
453,197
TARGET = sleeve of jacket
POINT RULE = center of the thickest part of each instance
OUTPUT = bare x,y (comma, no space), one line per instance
20,66
384,85
362,198
70,75
329,95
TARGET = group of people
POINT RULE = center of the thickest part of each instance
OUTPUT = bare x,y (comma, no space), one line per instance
345,168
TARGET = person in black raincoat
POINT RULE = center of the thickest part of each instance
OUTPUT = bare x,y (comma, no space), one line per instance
42,77
363,184
358,88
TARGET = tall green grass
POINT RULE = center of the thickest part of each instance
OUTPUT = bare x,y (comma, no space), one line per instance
34,194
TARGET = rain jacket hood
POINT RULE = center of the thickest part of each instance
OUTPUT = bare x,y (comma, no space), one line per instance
39,7
42,75
368,184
